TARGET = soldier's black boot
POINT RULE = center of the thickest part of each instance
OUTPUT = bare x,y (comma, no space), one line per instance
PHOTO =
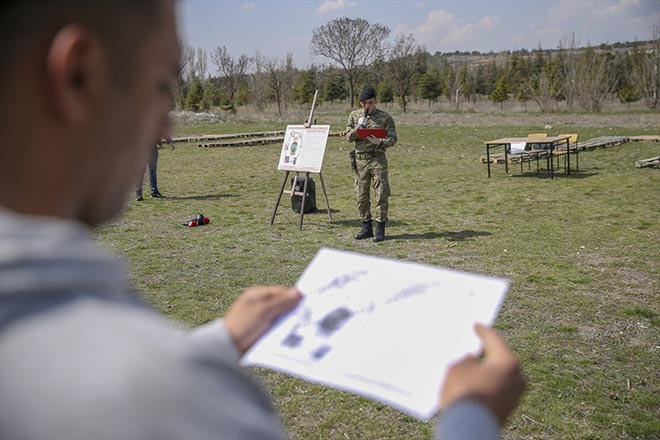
380,232
366,231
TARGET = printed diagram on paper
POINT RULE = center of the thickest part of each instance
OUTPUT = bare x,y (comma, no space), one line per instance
293,145
316,322
378,327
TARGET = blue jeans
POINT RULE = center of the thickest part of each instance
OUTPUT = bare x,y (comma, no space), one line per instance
152,166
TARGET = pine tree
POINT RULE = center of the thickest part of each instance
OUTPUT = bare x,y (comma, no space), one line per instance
385,92
429,85
303,91
194,95
501,92
335,88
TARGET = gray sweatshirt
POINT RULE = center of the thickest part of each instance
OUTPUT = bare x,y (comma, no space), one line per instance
82,357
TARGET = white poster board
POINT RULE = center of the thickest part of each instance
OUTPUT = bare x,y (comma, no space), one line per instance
382,328
303,148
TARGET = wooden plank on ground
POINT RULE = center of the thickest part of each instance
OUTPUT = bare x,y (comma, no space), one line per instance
645,138
232,139
513,158
215,137
602,142
651,162
243,142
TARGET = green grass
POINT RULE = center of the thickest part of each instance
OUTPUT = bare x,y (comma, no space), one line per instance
581,252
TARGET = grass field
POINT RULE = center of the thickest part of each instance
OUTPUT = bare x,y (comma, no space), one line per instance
581,252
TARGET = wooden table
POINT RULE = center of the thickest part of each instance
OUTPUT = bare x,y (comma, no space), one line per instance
550,144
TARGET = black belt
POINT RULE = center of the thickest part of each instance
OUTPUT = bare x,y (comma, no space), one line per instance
368,154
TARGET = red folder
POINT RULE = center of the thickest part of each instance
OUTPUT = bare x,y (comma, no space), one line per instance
363,133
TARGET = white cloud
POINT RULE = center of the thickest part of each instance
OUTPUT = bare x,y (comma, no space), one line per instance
435,21
439,17
570,11
488,22
459,35
333,5
521,40
615,9
443,30
402,29
581,11
248,6
595,21
549,30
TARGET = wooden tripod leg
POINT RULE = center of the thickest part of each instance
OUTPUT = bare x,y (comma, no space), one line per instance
279,197
302,207
325,193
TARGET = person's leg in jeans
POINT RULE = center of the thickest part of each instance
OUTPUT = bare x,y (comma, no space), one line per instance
138,190
153,173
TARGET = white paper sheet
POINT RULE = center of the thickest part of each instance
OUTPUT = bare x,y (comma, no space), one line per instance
380,328
518,147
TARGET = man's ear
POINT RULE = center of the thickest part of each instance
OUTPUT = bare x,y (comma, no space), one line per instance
74,73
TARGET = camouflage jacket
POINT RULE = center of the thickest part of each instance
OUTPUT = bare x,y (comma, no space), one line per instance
377,119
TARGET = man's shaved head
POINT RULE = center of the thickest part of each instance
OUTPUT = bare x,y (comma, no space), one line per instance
115,22
84,88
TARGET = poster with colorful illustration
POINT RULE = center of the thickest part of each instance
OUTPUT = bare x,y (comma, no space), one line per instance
304,148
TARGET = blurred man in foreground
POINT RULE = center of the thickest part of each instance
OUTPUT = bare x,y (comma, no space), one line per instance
83,89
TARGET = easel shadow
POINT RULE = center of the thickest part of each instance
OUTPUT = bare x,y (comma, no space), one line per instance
324,211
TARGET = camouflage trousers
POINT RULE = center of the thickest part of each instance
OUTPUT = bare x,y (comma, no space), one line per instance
372,167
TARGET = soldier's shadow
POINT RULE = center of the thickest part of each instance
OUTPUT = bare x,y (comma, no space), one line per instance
453,236
357,224
202,197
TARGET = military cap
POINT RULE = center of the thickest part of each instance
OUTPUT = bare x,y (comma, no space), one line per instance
367,93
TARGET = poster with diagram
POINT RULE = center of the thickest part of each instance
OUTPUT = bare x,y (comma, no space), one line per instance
303,148
381,328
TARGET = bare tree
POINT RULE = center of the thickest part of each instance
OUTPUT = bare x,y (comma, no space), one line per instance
280,78
354,44
595,79
541,90
544,84
405,63
201,65
456,79
232,70
645,71
568,48
178,87
259,83
188,62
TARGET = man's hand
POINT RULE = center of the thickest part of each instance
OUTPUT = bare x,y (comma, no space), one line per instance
373,140
496,381
255,311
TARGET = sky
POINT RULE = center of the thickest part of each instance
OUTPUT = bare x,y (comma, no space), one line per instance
274,28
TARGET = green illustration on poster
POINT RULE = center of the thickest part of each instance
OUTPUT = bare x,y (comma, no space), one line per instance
303,148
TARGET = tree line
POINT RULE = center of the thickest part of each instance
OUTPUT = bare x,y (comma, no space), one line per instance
577,77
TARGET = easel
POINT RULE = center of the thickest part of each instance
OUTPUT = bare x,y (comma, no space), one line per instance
292,192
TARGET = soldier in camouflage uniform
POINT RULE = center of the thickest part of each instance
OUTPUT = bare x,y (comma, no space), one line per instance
370,163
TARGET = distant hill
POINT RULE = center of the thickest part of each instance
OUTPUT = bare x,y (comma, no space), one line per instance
476,57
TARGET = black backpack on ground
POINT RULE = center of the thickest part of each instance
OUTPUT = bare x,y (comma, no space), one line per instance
310,197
